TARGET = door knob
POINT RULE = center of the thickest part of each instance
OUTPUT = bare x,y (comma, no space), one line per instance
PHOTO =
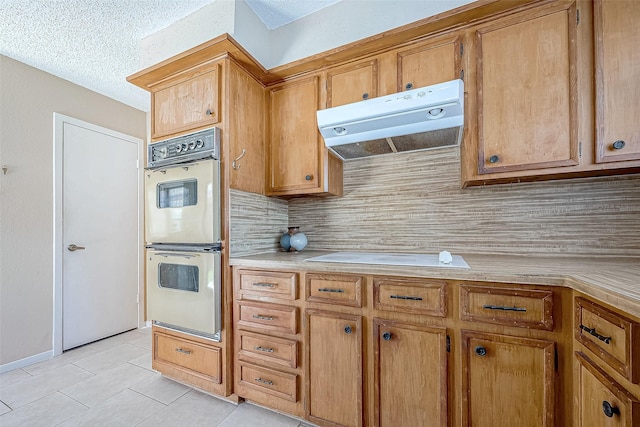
73,247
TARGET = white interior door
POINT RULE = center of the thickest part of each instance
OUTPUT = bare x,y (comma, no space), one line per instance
100,217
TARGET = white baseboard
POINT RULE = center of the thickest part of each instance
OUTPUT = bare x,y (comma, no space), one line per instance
26,361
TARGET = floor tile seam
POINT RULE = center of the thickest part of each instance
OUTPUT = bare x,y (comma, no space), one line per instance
73,415
155,400
142,367
16,382
230,413
7,405
74,399
80,367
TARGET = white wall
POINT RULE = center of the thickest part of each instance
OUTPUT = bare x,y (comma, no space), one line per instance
328,28
28,99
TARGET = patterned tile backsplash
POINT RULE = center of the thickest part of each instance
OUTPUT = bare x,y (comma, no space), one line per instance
412,202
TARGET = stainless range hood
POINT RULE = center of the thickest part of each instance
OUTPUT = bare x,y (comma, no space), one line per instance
417,119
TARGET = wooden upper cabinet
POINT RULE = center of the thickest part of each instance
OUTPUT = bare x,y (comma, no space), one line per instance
506,378
617,64
189,102
352,83
429,63
299,163
526,91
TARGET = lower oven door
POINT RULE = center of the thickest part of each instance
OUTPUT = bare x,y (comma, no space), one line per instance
183,291
183,203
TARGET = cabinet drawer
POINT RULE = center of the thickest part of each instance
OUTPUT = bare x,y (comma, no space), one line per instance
612,337
276,383
334,289
602,400
507,306
189,355
263,348
272,317
413,296
272,284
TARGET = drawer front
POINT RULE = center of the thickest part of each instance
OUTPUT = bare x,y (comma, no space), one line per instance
612,337
192,356
272,284
265,349
334,289
507,306
272,317
413,296
270,381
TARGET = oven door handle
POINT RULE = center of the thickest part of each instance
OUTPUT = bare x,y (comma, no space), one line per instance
175,254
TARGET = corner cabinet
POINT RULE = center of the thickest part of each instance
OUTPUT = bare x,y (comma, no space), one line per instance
299,163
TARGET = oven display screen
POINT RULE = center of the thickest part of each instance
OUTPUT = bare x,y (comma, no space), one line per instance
177,194
180,277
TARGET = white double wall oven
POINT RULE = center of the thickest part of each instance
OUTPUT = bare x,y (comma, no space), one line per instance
182,231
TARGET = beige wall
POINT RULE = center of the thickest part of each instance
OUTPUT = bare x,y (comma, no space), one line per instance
28,99
413,202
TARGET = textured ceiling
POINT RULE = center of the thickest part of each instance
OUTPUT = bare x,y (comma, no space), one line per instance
94,43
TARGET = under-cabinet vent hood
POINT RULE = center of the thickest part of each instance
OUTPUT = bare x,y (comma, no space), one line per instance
417,119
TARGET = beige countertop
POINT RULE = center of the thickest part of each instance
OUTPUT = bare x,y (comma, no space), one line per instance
615,281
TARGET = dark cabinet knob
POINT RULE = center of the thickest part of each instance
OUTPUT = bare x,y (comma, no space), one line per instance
480,351
209,112
409,86
386,336
494,159
308,177
347,329
365,96
609,410
618,145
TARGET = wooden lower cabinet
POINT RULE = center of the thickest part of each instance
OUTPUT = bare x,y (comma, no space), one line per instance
507,381
603,402
334,368
410,369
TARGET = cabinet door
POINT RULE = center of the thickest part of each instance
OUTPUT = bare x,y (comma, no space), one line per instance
526,92
505,378
296,146
601,400
352,83
190,103
410,375
334,368
617,65
425,65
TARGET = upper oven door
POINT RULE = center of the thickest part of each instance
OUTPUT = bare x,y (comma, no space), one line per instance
183,203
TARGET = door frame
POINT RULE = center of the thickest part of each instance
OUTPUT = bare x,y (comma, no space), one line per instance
58,243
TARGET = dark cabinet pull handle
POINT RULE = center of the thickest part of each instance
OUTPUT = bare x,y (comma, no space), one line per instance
265,349
609,410
592,331
494,159
264,285
347,329
409,86
405,297
308,177
180,350
365,95
338,291
618,145
267,382
503,308
386,336
480,351
261,317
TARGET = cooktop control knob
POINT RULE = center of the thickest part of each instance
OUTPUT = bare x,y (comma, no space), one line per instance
178,148
192,145
199,143
185,146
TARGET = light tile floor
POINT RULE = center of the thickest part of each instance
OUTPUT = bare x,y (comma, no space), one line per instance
110,382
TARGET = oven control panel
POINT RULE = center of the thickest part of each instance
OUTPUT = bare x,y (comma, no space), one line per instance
187,148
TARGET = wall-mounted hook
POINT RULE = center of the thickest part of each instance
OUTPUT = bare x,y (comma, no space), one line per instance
235,165
4,169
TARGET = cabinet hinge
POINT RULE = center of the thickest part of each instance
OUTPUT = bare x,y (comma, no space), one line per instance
448,344
580,149
461,49
462,75
138,298
577,16
555,361
137,164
